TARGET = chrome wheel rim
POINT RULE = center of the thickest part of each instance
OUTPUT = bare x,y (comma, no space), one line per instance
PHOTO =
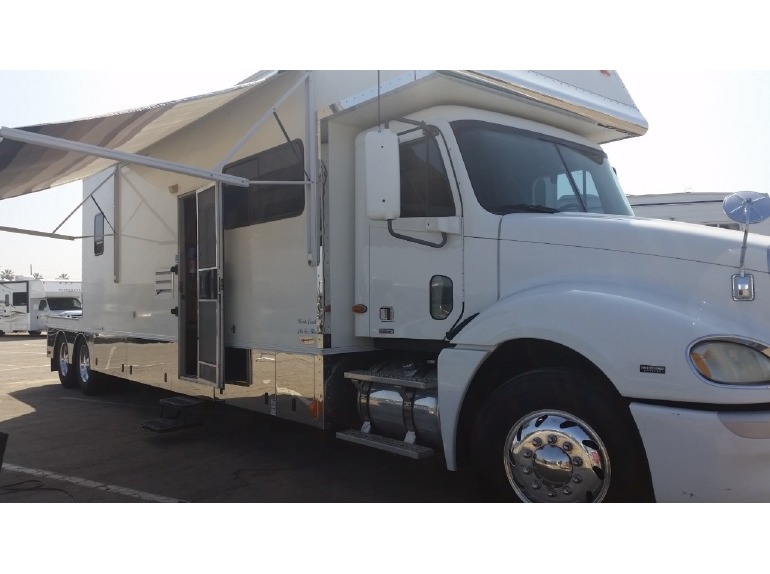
84,364
553,456
63,363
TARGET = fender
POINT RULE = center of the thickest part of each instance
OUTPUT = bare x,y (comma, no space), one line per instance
637,337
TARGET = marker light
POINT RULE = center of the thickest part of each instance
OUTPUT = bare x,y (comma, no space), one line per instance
441,297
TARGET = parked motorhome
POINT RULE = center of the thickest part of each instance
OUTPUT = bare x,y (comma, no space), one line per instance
27,304
428,263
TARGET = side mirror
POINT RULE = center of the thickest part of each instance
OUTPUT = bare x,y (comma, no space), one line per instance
747,207
382,175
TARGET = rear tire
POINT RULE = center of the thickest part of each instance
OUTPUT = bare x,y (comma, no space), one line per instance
63,366
86,379
553,435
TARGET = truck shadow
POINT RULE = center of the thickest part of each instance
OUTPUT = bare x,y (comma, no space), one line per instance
234,456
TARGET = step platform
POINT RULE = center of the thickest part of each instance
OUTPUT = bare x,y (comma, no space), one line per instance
178,413
413,451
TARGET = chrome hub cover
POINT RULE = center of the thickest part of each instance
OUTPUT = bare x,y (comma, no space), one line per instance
552,456
63,363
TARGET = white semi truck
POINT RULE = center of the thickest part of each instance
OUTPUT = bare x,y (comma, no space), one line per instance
424,262
27,304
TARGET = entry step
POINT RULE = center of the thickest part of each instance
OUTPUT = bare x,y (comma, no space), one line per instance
393,446
178,413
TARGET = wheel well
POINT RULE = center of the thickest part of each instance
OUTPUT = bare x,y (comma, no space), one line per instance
510,359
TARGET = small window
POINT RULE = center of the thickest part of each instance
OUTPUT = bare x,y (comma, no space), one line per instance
20,299
269,202
43,306
425,190
98,234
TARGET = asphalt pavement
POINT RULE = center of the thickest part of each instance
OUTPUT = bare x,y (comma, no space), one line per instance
64,447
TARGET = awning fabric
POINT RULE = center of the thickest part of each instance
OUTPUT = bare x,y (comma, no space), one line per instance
27,168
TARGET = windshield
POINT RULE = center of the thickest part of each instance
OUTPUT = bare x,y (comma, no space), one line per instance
64,304
515,170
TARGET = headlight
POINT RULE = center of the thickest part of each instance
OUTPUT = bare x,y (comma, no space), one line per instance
730,363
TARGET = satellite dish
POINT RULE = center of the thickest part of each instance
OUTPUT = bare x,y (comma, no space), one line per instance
747,207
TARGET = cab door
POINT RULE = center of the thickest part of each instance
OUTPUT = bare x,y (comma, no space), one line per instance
416,279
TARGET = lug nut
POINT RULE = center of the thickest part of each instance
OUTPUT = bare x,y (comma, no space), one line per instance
536,485
577,461
577,479
567,491
537,441
551,439
567,446
526,453
527,470
551,493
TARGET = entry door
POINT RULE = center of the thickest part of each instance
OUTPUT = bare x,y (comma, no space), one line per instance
210,339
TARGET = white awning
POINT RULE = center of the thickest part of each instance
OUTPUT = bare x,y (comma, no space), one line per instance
31,158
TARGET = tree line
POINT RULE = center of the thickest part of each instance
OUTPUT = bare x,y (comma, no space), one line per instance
10,275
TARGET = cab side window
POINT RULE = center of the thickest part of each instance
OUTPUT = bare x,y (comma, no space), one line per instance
42,306
425,189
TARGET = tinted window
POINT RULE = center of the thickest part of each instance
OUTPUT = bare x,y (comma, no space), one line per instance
425,190
269,202
98,234
510,168
19,299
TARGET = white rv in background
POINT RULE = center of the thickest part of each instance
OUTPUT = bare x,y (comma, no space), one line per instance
27,304
424,262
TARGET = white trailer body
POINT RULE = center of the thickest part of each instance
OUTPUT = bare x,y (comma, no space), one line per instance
426,262
27,304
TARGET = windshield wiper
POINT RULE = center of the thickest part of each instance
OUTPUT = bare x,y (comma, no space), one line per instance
524,207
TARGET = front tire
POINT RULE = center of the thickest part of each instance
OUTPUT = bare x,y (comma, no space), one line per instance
553,435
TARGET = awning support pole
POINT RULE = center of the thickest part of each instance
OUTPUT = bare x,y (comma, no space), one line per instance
311,119
229,156
82,202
